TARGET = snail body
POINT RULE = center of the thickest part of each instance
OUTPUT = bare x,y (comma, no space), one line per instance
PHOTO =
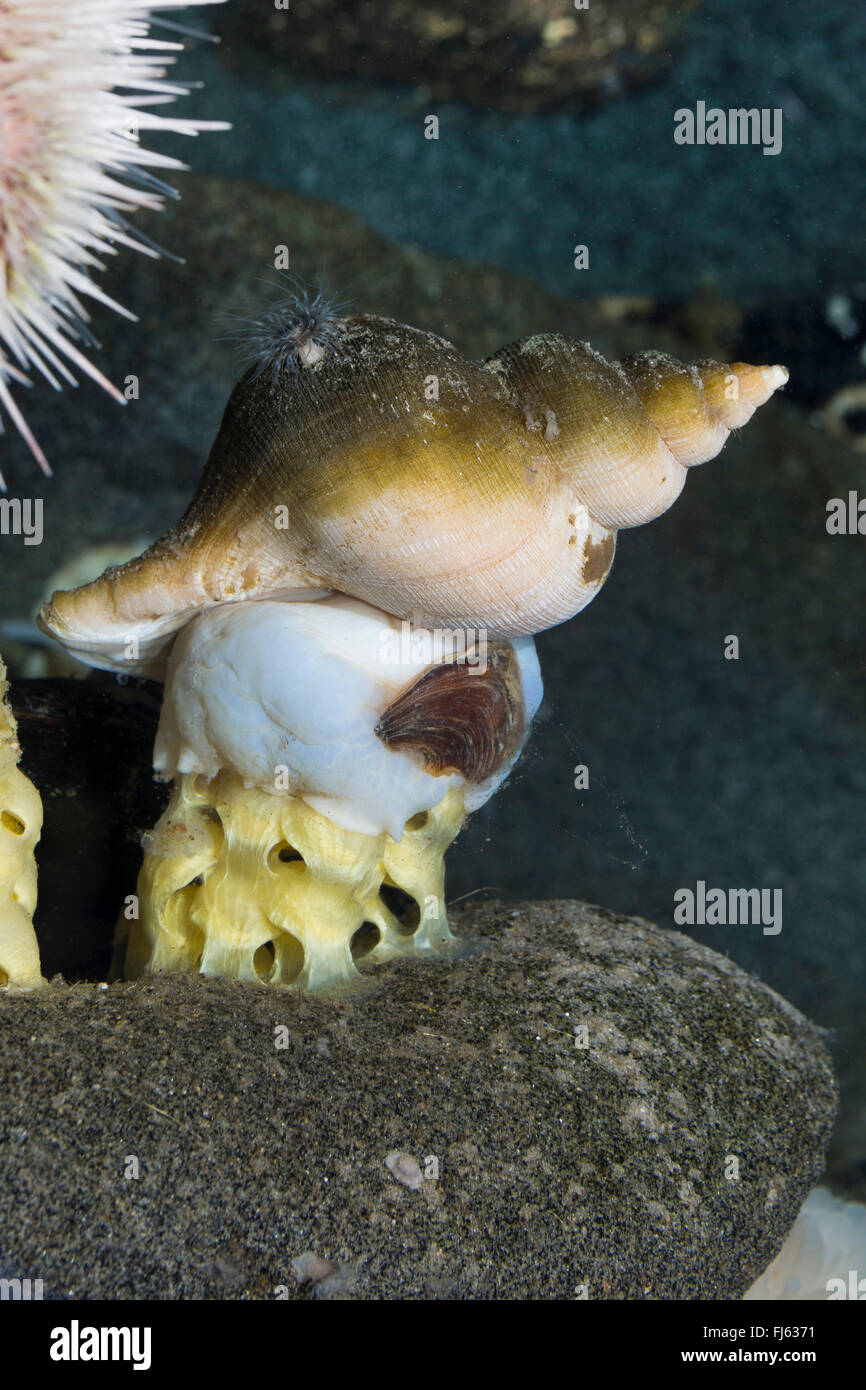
384,465
318,778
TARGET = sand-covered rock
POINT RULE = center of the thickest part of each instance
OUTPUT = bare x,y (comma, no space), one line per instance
578,1103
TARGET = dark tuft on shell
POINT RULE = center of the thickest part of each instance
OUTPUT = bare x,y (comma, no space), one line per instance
460,718
274,338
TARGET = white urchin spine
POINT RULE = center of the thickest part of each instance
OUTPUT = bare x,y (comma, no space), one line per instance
78,83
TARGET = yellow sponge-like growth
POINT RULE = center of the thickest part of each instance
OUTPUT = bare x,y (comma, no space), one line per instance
20,828
260,887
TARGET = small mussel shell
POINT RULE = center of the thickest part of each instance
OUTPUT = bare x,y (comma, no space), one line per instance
461,718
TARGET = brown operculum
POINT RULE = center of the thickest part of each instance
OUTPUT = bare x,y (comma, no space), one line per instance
460,718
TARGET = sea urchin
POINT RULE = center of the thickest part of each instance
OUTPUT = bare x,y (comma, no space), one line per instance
78,84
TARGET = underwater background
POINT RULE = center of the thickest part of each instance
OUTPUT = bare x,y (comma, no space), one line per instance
746,773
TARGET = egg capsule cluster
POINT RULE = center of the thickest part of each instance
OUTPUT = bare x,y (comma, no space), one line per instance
321,766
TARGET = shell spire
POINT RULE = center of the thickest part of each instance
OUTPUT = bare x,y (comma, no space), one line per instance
374,460
695,408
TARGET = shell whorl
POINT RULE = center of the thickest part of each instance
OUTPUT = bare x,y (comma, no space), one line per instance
627,435
461,494
695,408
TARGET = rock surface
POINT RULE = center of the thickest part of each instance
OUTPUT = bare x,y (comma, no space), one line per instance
311,1168
524,55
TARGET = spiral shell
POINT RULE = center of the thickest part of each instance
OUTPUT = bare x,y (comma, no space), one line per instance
388,467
